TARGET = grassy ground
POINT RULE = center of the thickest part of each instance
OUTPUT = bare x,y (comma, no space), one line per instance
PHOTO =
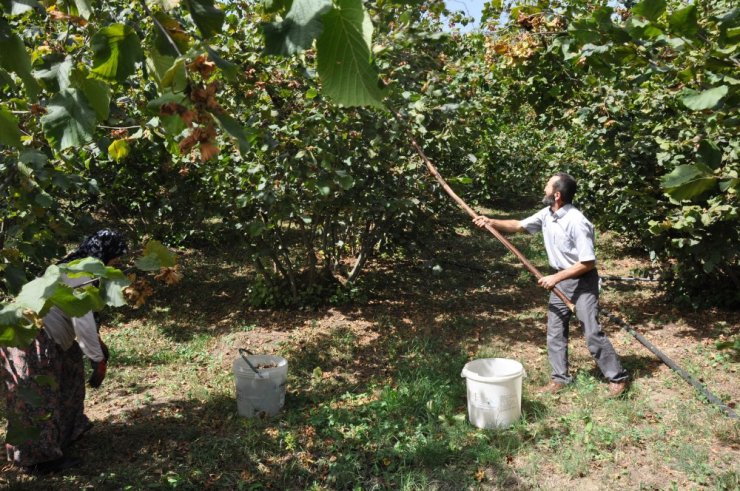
375,398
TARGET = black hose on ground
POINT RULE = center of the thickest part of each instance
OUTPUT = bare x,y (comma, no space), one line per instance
664,358
628,279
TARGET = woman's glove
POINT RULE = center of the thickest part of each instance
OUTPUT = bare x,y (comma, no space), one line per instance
99,367
98,373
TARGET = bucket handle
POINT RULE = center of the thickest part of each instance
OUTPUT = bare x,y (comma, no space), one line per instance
241,353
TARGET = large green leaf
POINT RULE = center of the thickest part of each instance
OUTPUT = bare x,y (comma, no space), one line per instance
34,294
88,266
112,291
154,257
230,70
175,33
54,71
19,7
297,31
112,280
710,154
84,8
344,65
688,181
15,58
15,330
650,9
208,18
116,50
9,133
77,302
684,22
244,137
707,99
70,121
176,77
97,94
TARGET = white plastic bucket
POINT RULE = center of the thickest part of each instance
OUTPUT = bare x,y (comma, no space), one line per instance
494,391
260,394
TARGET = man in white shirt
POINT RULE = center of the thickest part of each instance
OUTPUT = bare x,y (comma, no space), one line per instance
569,241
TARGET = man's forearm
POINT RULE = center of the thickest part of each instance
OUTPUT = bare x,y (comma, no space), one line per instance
506,226
575,271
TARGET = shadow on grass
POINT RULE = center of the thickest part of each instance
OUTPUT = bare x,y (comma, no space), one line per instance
408,433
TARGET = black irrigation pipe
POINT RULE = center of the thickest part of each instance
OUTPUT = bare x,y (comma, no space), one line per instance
628,279
664,358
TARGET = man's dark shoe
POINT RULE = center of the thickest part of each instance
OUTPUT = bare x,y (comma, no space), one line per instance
52,466
616,389
552,388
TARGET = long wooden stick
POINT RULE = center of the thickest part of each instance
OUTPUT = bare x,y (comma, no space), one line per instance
473,214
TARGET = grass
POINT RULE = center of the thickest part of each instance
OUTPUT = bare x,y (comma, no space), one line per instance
375,400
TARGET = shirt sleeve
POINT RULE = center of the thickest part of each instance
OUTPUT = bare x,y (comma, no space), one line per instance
86,332
533,224
583,236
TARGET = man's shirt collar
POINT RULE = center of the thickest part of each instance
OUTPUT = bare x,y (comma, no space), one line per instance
561,212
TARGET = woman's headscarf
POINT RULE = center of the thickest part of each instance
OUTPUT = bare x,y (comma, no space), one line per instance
105,244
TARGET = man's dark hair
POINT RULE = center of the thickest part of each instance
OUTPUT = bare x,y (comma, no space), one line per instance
566,186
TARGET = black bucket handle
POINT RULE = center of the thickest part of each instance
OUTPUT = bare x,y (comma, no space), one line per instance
241,353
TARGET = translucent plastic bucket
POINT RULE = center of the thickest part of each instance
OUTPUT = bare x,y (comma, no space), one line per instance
494,391
260,394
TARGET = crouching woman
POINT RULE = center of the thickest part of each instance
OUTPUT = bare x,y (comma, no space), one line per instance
46,381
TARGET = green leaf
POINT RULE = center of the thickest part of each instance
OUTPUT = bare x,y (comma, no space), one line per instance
230,70
15,58
118,150
54,71
70,121
77,302
112,289
176,33
116,50
17,336
208,18
245,138
34,294
344,64
158,64
10,134
688,181
707,99
11,315
297,31
710,154
733,184
19,7
84,8
14,278
650,9
97,94
88,266
344,180
684,22
176,77
155,257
